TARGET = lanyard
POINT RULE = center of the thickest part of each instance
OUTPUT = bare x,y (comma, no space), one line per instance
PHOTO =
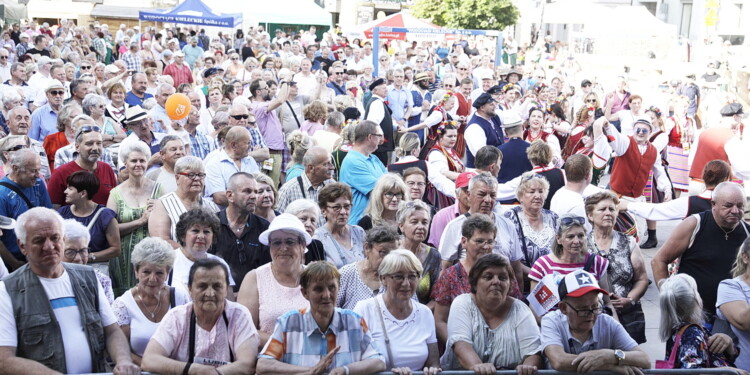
191,339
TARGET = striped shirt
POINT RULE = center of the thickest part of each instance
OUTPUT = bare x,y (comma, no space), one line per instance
180,74
545,266
297,339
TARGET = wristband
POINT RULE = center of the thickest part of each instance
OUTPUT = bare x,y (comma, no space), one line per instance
187,368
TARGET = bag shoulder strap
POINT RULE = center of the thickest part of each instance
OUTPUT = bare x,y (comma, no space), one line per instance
18,191
589,263
172,297
301,186
523,237
676,346
98,210
385,334
293,114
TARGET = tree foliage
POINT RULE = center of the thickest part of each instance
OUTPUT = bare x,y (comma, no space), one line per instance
468,14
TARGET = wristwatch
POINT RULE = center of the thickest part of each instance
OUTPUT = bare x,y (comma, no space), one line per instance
620,356
93,257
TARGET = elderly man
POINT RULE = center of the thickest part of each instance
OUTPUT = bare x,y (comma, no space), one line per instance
267,120
239,115
200,145
88,143
578,338
233,158
137,94
162,122
137,121
4,65
706,244
484,128
68,152
132,59
56,73
318,173
338,84
361,169
171,149
18,79
19,121
399,99
44,118
61,305
379,112
238,242
178,70
20,190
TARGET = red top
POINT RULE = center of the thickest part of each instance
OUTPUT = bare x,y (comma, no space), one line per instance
58,182
180,75
52,143
630,171
710,147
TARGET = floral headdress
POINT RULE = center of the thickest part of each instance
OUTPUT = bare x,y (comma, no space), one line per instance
441,127
539,87
654,109
448,95
350,122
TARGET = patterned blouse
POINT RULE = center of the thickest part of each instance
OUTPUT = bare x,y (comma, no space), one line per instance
620,268
535,243
693,351
453,282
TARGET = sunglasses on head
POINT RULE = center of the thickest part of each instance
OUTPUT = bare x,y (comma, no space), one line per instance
88,129
240,117
569,220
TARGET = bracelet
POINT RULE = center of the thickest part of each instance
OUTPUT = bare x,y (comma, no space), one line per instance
346,368
187,368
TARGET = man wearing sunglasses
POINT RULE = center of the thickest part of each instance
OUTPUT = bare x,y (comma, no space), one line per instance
579,338
44,118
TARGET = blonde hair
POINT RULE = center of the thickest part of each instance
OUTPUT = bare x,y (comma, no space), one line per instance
408,143
387,182
298,143
740,267
315,111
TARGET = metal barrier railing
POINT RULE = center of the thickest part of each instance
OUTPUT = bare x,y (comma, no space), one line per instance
708,371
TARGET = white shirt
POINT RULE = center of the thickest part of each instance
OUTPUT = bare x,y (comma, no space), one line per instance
181,270
676,209
306,84
65,306
626,122
566,201
437,163
377,111
5,72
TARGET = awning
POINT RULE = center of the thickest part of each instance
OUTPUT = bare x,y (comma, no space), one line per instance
58,9
292,12
113,11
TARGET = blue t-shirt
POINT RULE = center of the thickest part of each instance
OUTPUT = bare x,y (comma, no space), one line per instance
360,173
132,100
98,231
11,205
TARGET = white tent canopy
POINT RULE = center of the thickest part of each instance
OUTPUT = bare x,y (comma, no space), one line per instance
295,12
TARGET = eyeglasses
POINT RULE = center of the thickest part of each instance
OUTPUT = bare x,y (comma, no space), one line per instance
287,242
590,100
484,242
389,195
193,176
569,220
338,73
414,183
412,277
463,68
56,92
585,313
240,117
641,131
16,148
378,135
88,129
72,253
345,207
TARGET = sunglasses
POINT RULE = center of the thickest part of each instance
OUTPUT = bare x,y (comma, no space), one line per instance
88,129
85,67
57,92
3,57
590,100
570,220
240,117
16,148
641,131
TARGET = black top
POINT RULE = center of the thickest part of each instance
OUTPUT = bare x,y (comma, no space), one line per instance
556,180
244,253
365,223
34,51
401,167
247,52
697,205
515,162
315,252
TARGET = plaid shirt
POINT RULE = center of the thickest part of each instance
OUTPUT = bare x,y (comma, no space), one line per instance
297,340
180,74
132,61
256,139
200,145
68,153
291,191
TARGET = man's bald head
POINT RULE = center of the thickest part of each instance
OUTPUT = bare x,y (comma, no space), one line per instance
315,155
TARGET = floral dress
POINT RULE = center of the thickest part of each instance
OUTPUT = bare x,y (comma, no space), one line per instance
453,282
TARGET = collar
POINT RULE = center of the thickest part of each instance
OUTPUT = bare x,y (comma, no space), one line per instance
539,168
312,325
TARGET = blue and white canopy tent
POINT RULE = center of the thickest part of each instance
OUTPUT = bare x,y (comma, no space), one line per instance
193,12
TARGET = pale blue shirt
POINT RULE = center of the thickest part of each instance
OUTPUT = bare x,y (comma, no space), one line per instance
220,168
43,123
399,101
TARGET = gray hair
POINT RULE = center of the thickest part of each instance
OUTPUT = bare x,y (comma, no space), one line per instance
313,153
398,260
21,157
91,100
76,231
363,130
302,205
167,139
164,87
219,117
335,119
409,208
680,303
726,185
232,182
192,163
128,148
484,178
152,250
42,214
10,95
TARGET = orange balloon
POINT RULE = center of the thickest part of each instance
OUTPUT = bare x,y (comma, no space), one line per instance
178,106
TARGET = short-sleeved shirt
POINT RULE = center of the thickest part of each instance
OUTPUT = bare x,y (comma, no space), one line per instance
607,334
506,240
43,123
297,339
732,290
360,173
132,99
546,266
219,170
11,205
98,230
453,282
244,253
174,330
57,184
181,270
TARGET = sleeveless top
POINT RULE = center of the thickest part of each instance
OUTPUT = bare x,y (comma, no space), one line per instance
274,299
556,180
697,205
174,207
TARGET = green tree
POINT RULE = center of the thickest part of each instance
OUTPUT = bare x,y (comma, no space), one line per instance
468,14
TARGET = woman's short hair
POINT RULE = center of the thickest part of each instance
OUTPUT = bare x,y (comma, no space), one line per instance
406,209
564,224
84,181
77,231
539,153
319,271
381,234
408,143
208,264
679,303
65,117
263,178
315,111
302,205
152,250
477,223
130,147
221,117
333,191
716,172
188,163
412,171
398,260
594,199
91,100
389,182
485,262
197,216
11,95
115,86
527,180
298,142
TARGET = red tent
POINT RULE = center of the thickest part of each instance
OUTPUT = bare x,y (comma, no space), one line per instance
398,20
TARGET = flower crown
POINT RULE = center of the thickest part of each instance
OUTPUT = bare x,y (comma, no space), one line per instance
447,96
654,109
508,87
540,86
350,122
441,127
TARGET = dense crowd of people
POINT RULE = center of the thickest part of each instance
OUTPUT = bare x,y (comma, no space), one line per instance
330,206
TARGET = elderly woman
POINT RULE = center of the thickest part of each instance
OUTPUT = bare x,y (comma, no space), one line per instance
540,156
218,122
570,253
444,165
308,213
385,198
395,319
115,110
344,243
112,132
413,220
689,344
141,308
627,270
733,302
298,143
225,340
488,329
267,195
331,134
76,251
273,288
190,177
65,132
196,231
11,99
295,346
535,225
360,280
315,114
98,219
133,202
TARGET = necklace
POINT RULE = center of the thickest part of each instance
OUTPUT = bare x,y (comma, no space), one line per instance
726,234
158,304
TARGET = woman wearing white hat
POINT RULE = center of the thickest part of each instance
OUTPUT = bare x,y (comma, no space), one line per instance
273,289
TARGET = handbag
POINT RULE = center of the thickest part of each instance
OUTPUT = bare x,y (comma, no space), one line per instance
634,321
671,362
389,362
